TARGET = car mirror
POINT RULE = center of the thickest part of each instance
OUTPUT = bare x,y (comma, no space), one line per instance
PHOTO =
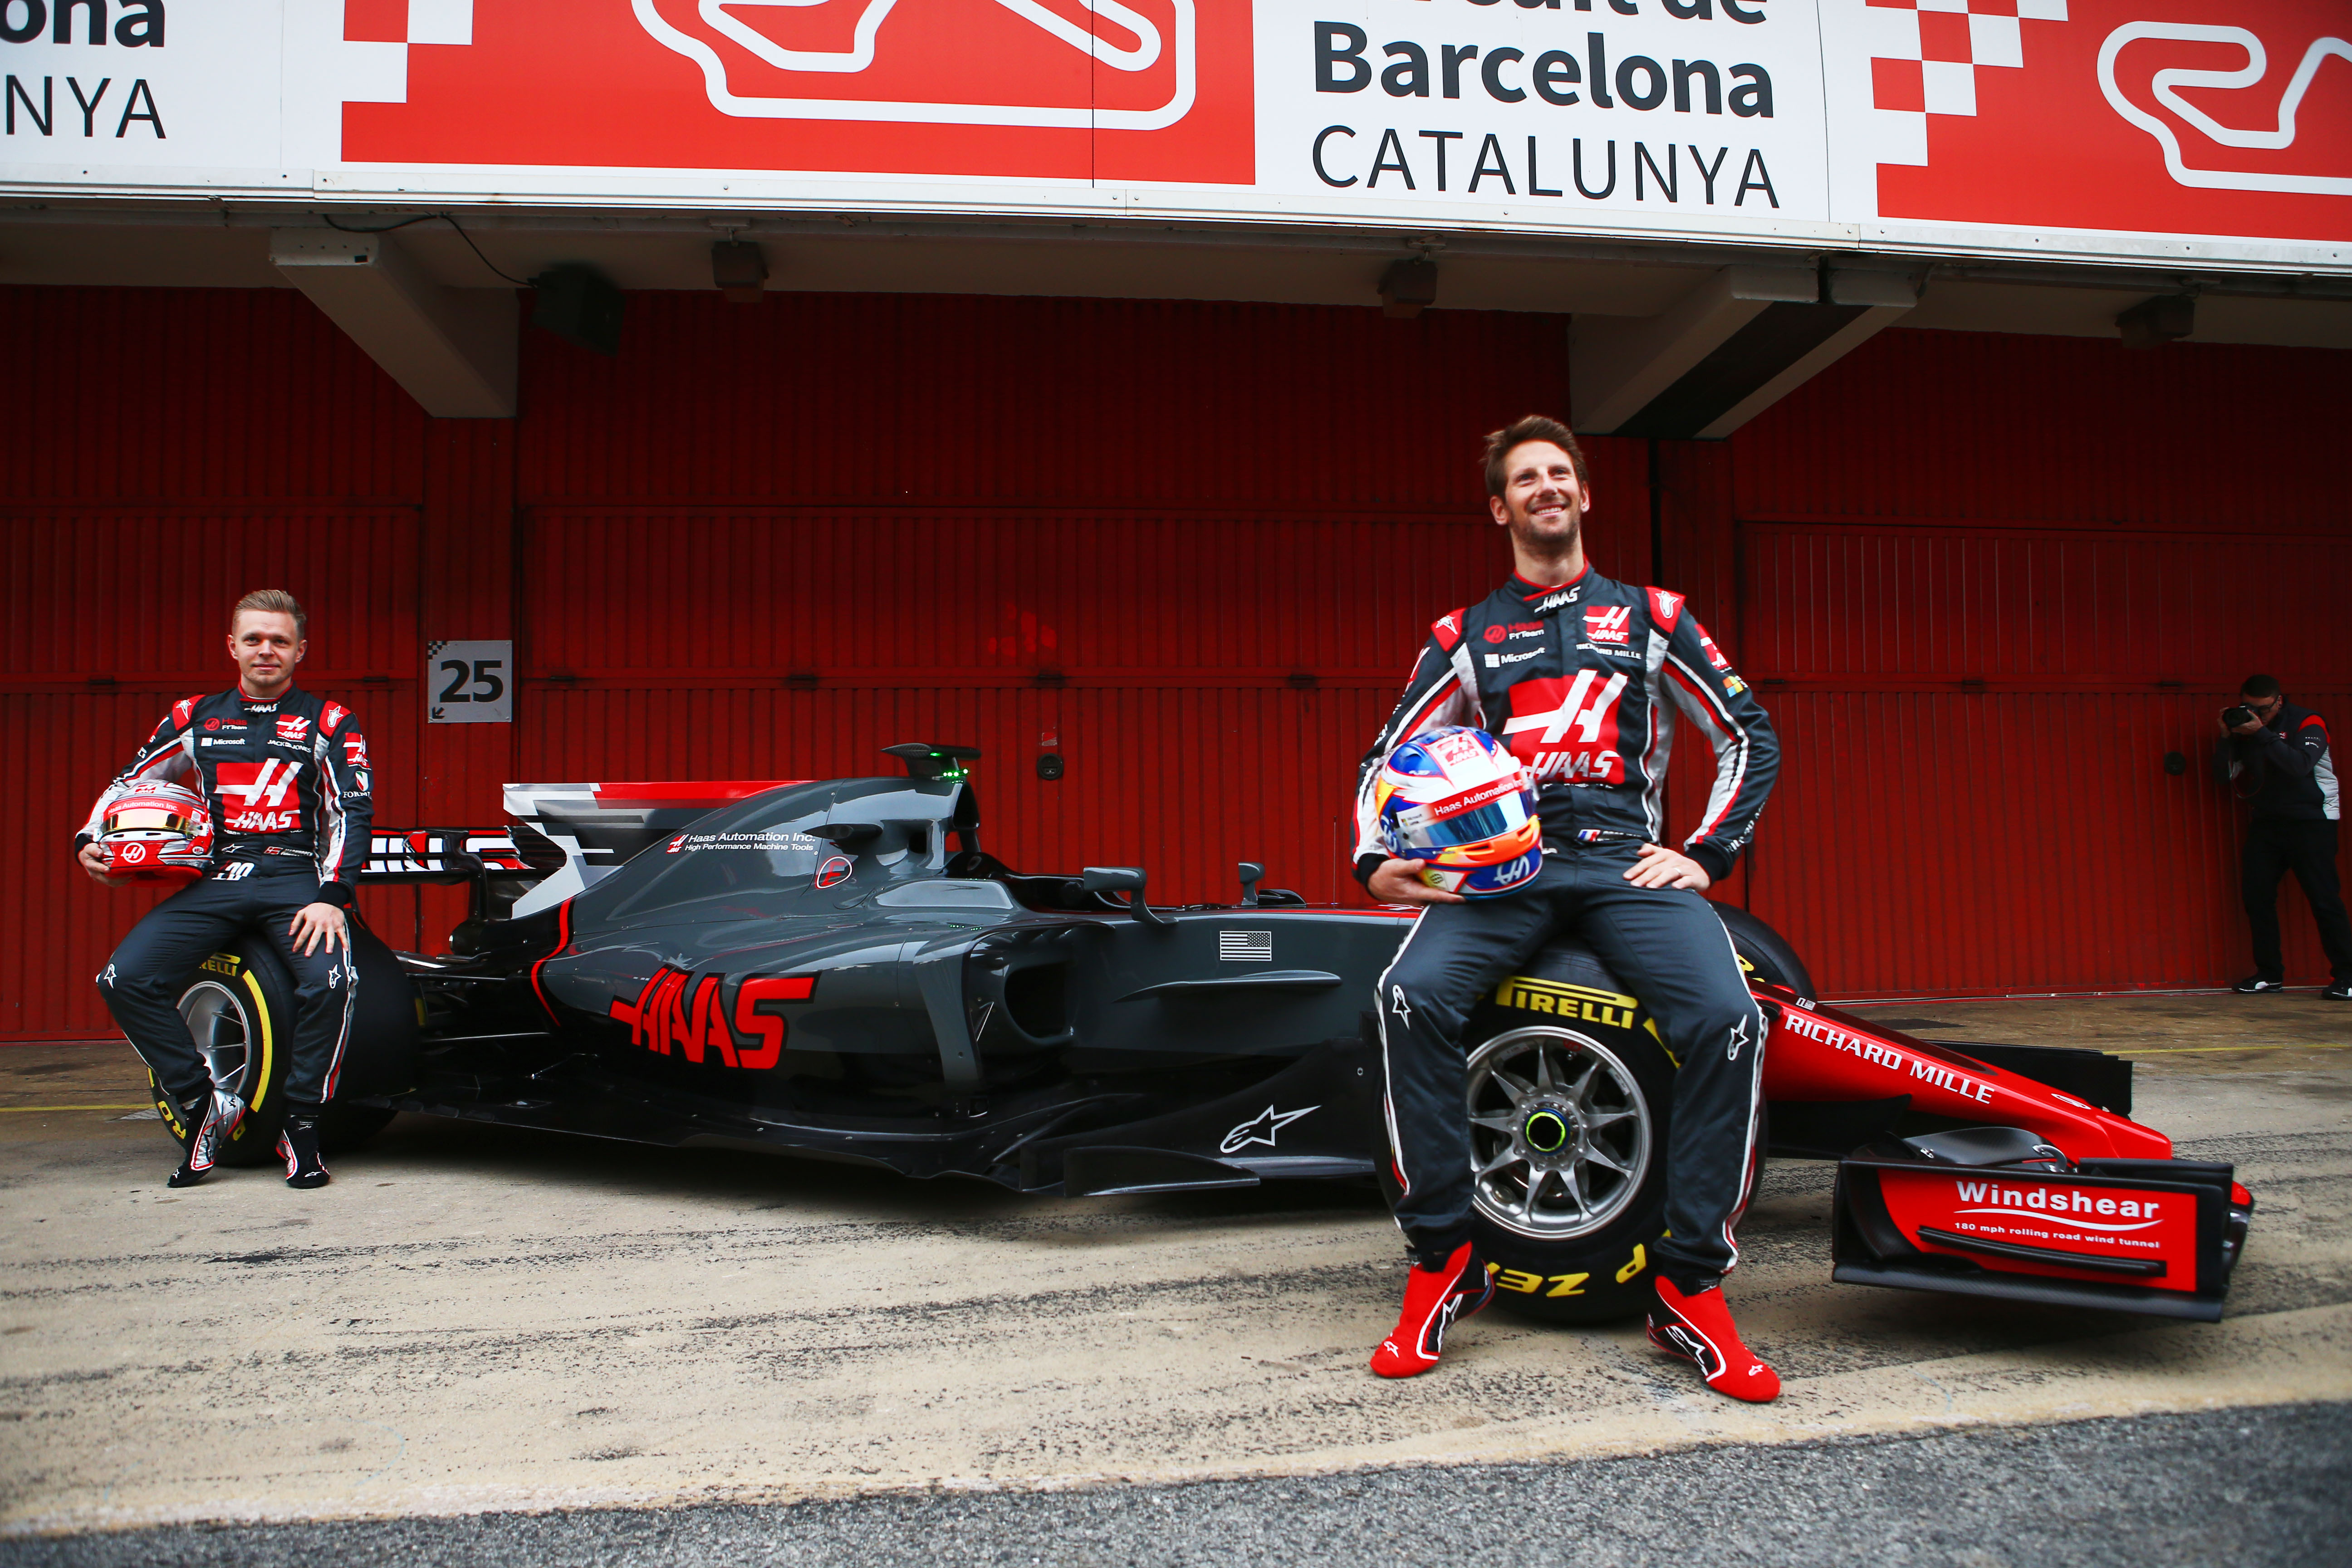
1127,879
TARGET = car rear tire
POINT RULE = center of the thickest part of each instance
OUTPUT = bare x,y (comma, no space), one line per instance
240,1008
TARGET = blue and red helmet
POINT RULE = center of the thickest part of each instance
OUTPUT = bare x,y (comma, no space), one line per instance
1456,803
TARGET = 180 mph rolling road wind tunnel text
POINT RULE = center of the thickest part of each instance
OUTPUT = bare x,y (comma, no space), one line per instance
1559,89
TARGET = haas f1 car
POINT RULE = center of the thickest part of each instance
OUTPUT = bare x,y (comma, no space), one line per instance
838,970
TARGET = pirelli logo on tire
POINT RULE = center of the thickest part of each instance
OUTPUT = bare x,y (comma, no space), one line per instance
222,963
1561,1000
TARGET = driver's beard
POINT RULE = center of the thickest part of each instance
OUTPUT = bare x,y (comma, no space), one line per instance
1523,533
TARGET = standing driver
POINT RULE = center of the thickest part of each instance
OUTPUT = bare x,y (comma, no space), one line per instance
2277,755
286,778
1580,677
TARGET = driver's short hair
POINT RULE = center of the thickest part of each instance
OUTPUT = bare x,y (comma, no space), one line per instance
2262,686
1519,433
272,602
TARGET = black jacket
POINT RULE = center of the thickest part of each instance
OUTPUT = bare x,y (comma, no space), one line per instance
2287,770
1575,679
283,778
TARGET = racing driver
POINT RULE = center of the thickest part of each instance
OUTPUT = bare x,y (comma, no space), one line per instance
1580,677
286,776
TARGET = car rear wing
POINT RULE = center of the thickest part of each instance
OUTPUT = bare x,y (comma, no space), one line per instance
561,840
444,855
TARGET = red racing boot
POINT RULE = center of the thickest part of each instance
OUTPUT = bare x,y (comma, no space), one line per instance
1698,1329
1434,1299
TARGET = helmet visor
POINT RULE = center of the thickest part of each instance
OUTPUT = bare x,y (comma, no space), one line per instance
1414,830
147,819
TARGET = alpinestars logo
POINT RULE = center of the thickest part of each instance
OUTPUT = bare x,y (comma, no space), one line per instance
266,791
1694,1346
1563,729
1262,1128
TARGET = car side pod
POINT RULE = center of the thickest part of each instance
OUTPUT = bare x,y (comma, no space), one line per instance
1993,1211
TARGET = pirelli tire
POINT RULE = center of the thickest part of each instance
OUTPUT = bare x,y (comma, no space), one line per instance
1570,1096
240,1009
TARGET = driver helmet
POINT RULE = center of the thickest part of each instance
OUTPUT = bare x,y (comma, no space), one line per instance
1456,803
156,832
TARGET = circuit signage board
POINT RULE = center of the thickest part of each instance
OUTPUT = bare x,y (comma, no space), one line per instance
2216,131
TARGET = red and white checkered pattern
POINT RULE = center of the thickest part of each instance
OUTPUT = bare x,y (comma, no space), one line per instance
1931,68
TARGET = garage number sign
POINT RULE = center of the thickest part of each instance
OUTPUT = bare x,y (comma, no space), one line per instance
469,682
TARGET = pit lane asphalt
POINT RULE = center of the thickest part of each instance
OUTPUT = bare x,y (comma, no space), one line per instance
474,1322
2263,1488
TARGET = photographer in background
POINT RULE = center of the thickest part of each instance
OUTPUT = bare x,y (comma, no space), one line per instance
2275,756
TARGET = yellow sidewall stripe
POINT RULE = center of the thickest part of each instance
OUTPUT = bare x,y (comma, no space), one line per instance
268,1044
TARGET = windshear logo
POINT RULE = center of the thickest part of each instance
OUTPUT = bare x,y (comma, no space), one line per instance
2165,84
750,71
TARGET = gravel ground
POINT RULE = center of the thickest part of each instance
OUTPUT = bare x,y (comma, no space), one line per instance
2269,1487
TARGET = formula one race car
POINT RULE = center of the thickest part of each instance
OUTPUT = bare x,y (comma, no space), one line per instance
838,970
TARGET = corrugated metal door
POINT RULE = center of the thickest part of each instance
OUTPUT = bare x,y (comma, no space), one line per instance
1986,584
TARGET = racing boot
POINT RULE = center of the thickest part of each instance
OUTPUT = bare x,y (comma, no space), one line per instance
206,1119
297,1145
1434,1297
1697,1327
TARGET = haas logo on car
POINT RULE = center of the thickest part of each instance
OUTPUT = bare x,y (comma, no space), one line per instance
264,796
1567,729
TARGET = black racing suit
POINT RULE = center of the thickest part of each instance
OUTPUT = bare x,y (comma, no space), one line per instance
2298,805
1582,682
288,783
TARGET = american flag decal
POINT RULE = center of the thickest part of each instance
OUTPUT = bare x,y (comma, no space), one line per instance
1246,946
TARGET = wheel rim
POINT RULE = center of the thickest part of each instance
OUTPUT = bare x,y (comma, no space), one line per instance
216,1018
1560,1133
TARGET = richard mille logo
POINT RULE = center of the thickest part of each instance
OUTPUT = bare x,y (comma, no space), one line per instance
1263,1130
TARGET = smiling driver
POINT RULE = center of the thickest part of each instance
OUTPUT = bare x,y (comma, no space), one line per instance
1580,677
